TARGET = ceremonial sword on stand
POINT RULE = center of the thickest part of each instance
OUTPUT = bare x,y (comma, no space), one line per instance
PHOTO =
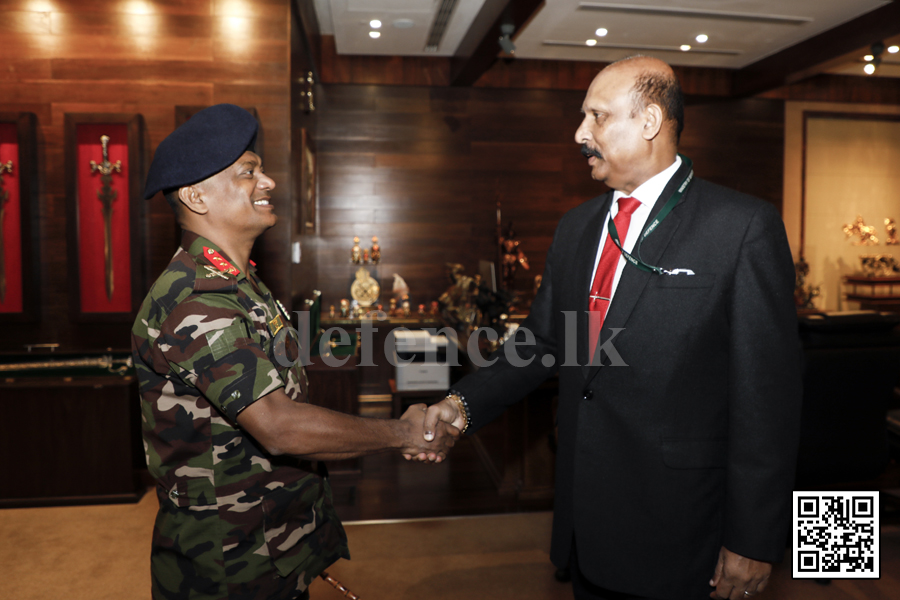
106,196
4,195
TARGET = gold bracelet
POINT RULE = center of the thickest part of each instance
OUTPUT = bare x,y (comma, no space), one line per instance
461,408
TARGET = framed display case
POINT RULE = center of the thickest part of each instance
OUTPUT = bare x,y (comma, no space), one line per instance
105,169
19,247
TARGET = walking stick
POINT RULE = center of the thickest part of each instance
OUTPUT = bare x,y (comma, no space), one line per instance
338,586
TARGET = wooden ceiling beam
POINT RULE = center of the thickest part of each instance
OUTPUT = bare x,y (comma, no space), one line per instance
816,54
479,49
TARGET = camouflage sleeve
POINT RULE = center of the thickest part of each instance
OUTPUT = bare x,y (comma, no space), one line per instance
211,344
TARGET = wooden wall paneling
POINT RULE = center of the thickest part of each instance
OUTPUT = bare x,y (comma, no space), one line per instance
423,168
305,106
93,56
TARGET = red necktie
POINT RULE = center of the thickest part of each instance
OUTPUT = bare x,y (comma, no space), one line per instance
601,290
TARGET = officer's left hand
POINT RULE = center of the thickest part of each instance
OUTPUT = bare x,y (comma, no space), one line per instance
738,577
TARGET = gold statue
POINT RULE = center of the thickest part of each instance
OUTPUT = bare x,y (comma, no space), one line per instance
375,254
355,252
865,233
891,228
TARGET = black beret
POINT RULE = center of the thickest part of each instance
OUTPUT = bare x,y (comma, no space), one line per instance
208,142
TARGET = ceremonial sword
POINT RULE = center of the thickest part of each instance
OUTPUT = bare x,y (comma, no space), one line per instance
4,195
106,196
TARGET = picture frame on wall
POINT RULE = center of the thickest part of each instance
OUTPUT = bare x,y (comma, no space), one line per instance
19,224
105,214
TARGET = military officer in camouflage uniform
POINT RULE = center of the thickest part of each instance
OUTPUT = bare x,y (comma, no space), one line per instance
244,511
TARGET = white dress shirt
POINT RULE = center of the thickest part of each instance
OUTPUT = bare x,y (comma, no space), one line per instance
647,193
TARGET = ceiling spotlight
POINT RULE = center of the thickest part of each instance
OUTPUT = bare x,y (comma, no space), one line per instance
591,42
685,47
374,34
374,23
702,38
868,58
893,49
869,68
602,32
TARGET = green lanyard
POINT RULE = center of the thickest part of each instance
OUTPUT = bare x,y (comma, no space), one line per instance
676,196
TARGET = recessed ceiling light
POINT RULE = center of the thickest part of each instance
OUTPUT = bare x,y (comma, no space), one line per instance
702,38
868,58
869,69
893,49
374,23
374,34
591,42
685,47
601,32
403,23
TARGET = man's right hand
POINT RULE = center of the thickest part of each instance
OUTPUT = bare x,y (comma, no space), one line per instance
426,443
437,417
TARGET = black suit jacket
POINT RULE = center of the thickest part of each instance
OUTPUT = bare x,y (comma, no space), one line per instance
692,445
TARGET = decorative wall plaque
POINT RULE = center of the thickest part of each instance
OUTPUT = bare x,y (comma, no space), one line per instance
105,168
19,247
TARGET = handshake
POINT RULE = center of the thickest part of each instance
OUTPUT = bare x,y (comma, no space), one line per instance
431,431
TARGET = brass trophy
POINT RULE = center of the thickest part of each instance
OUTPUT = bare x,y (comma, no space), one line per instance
365,288
107,196
6,167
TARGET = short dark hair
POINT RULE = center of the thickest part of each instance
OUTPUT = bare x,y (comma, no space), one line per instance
653,87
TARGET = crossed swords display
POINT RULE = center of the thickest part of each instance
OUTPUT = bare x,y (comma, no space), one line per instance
107,195
6,167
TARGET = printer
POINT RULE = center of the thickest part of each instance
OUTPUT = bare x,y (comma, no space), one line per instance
420,360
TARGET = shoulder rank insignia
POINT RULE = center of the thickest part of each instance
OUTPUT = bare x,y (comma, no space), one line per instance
219,262
214,273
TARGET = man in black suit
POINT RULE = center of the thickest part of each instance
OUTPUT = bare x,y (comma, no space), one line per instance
679,424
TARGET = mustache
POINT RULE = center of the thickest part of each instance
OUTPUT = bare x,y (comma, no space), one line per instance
588,152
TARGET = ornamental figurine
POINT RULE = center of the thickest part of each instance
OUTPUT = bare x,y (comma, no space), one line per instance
355,252
365,257
879,265
864,233
400,289
345,307
891,228
511,256
331,311
375,254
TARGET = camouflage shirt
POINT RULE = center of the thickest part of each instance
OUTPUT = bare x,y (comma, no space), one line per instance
233,521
